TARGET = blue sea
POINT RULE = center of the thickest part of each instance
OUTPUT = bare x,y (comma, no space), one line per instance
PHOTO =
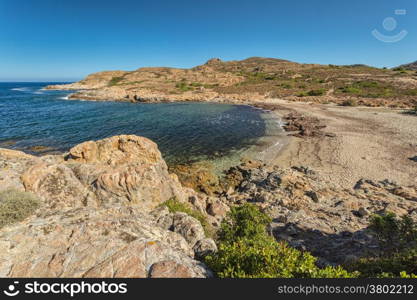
185,132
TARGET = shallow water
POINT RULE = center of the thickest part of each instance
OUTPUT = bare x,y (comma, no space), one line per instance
184,132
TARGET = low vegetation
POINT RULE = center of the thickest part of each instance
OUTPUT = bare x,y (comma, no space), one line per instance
397,239
174,206
247,251
15,206
115,81
185,86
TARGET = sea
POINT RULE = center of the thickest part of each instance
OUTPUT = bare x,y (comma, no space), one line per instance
39,121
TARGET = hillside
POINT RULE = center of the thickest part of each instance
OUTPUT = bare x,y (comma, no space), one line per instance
251,80
411,66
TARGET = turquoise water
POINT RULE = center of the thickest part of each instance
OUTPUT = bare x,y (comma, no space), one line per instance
184,132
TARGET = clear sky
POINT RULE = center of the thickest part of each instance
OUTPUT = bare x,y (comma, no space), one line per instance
47,40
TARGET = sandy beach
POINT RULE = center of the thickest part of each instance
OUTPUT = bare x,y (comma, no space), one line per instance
374,143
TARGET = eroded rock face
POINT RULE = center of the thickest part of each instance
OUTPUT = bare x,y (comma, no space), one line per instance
125,168
56,184
95,218
86,242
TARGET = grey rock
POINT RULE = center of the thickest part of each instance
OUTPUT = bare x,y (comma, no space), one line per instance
189,227
363,212
217,209
204,247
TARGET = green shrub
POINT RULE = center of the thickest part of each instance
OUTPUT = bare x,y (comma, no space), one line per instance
366,84
183,86
351,90
302,94
394,234
115,80
245,221
397,238
15,206
247,251
392,265
174,206
266,258
412,92
285,85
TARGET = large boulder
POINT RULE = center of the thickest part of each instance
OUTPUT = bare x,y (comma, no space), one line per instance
125,168
95,217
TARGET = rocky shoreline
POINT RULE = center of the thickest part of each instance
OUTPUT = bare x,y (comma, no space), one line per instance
103,205
102,212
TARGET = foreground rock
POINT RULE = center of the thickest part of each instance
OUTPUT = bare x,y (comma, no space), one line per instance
316,215
110,242
96,217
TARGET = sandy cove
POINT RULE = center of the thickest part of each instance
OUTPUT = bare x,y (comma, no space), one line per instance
370,142
374,143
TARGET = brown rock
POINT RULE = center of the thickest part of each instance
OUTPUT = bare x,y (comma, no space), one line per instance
170,269
127,169
217,209
88,242
189,227
56,185
406,193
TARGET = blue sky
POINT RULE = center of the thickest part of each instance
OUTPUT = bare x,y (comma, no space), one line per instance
59,40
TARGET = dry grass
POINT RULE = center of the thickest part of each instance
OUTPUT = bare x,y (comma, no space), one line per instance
15,206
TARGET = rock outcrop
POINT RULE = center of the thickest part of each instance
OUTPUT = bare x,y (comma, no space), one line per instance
96,218
85,242
249,81
122,169
313,214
